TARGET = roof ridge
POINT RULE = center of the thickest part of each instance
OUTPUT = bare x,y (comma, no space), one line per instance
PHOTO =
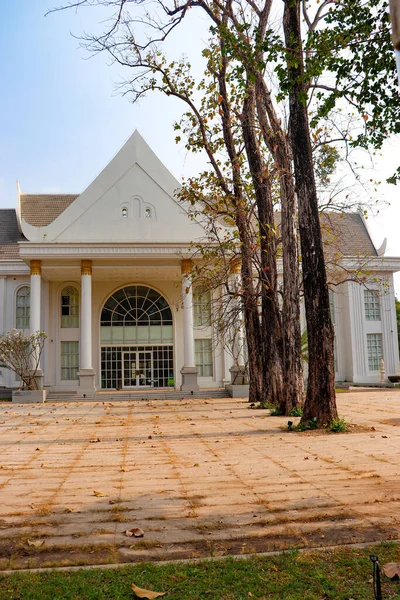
49,194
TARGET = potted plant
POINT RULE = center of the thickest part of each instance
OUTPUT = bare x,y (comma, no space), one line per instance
21,353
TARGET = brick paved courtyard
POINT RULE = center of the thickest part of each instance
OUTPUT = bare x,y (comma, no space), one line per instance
200,477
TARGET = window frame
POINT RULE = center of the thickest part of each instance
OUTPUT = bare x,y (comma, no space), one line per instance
201,353
26,307
374,359
69,368
70,318
372,308
201,308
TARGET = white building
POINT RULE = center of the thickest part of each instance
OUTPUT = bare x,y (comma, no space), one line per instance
106,275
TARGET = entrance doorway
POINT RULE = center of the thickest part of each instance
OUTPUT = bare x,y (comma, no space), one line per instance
137,369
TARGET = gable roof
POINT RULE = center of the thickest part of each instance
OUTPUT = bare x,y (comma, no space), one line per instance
41,209
346,233
10,234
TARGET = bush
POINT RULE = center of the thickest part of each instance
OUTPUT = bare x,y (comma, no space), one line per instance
338,426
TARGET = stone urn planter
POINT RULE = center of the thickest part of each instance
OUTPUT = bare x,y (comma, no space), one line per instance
29,396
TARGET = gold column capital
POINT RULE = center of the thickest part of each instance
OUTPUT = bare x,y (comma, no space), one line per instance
86,267
235,265
36,267
186,266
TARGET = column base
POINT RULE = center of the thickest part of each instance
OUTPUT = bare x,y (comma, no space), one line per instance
86,383
39,379
238,375
189,379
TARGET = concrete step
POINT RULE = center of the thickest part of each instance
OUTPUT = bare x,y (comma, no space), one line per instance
138,395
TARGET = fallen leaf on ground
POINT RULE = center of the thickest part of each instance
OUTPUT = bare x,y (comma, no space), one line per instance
99,494
142,593
392,570
36,544
135,532
95,441
124,469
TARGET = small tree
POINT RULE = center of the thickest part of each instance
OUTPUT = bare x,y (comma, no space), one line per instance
21,353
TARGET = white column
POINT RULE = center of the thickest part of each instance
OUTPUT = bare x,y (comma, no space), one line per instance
189,370
2,318
86,315
36,284
188,340
3,304
35,309
238,369
86,372
237,278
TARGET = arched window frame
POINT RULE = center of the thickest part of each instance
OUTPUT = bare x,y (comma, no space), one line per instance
137,307
69,307
23,307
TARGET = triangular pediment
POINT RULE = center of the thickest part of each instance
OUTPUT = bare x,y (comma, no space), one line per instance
131,200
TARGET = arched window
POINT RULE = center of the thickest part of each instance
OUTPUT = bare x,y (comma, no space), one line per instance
124,212
23,307
136,314
70,307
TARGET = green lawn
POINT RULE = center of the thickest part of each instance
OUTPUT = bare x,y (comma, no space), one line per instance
335,575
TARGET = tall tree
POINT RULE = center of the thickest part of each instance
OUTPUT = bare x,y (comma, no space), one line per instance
320,400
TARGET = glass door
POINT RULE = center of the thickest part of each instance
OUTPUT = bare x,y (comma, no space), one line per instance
137,369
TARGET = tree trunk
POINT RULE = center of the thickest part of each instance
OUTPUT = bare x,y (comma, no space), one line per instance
272,342
320,399
277,143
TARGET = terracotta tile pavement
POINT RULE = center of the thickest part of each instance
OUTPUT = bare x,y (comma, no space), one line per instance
199,477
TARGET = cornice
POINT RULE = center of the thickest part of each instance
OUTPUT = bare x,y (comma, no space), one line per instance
29,250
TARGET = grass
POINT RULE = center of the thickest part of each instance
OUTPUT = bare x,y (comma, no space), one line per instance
332,575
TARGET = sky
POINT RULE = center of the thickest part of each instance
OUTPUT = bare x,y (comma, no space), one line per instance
62,117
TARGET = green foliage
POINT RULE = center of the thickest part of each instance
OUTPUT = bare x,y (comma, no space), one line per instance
354,46
311,424
336,574
297,411
338,426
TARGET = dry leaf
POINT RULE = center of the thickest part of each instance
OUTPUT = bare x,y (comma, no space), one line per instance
135,532
95,441
99,494
392,570
124,469
36,544
141,593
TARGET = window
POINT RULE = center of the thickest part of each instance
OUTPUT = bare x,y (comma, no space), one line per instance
201,308
70,307
69,360
372,305
23,303
124,213
374,348
136,315
203,351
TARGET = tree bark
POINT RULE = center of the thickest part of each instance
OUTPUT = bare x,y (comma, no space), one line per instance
272,340
277,143
320,399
